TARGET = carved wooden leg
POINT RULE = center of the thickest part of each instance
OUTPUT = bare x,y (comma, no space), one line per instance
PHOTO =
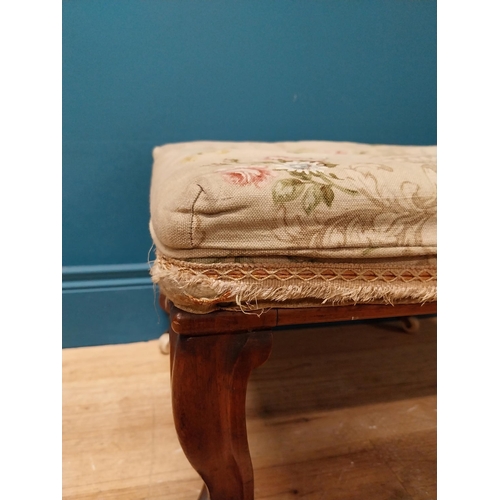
209,375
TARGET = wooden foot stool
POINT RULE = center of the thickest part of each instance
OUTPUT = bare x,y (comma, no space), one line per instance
254,236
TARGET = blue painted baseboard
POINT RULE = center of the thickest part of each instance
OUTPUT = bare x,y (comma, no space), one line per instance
109,305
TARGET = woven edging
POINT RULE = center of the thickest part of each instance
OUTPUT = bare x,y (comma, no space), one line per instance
309,272
196,285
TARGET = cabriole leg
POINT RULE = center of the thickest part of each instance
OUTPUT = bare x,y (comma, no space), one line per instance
209,375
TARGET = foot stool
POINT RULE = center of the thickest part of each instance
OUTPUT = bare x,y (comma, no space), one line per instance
253,236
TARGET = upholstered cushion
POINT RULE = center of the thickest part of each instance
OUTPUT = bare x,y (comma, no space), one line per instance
280,222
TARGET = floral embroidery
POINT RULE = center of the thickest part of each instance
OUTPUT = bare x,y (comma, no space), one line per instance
247,175
310,180
302,166
379,201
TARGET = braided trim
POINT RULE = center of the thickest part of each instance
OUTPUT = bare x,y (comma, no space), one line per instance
201,288
313,272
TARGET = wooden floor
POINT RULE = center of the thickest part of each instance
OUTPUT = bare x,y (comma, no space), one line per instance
339,412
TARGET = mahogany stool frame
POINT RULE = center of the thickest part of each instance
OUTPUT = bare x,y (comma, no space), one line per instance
211,358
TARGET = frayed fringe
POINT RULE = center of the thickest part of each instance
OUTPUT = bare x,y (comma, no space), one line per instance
195,291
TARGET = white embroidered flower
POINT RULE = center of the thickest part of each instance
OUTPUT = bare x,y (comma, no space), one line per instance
301,166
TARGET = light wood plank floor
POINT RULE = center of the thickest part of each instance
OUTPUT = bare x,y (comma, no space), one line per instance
338,412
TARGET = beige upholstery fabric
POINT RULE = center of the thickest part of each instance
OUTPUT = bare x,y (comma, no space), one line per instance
254,224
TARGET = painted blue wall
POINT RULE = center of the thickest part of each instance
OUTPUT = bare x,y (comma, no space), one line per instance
140,73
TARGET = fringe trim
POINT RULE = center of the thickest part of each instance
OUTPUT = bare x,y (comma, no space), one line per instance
189,287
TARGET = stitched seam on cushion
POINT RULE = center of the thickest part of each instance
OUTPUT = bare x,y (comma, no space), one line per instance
192,216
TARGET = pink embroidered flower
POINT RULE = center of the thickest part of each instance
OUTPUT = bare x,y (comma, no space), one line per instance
244,176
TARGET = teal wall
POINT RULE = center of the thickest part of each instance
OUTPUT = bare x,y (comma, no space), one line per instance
139,73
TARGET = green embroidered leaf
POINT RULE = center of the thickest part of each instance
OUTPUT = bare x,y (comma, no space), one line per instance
334,176
312,198
287,190
305,176
328,195
330,165
322,176
345,190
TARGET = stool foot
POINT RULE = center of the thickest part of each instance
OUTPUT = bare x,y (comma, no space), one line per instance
411,324
204,495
